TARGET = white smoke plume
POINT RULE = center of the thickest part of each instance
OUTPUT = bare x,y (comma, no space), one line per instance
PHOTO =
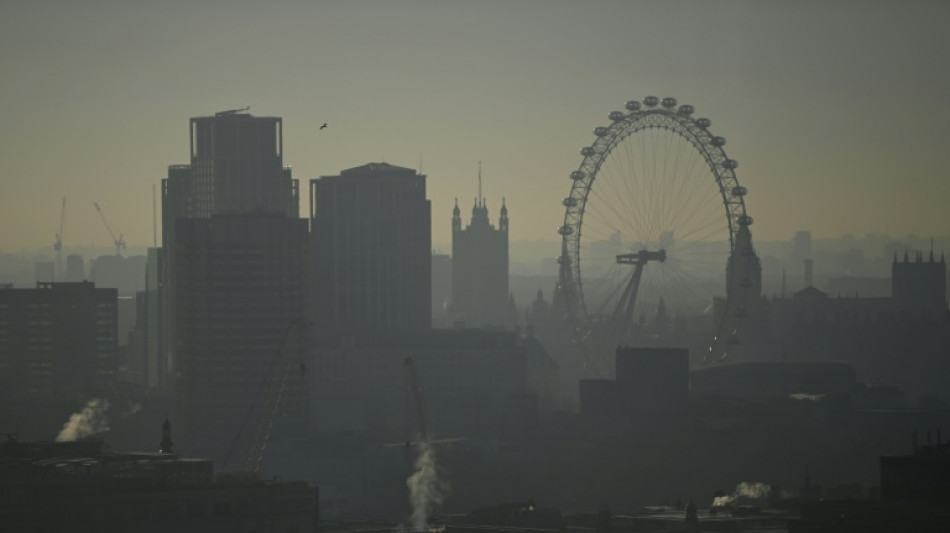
426,490
91,420
801,396
745,490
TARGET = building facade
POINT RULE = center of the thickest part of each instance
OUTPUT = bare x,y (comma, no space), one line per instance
371,244
58,341
233,274
480,294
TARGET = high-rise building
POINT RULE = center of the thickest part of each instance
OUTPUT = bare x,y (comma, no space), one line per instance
233,270
371,244
241,325
480,268
58,340
236,167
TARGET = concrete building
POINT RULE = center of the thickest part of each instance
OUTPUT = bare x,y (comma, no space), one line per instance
58,340
480,295
371,243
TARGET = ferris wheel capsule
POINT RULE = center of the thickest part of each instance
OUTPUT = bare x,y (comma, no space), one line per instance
685,109
703,123
739,190
600,131
587,151
718,141
730,164
565,230
669,102
745,220
615,115
570,201
578,175
632,105
651,101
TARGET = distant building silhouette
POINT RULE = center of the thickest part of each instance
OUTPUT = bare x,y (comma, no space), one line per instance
920,286
44,271
900,340
371,244
75,268
480,294
147,362
57,341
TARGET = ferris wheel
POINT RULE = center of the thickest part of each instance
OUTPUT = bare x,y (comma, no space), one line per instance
650,230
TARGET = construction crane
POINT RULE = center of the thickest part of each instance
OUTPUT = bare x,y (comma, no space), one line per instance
414,399
58,245
266,404
232,111
118,242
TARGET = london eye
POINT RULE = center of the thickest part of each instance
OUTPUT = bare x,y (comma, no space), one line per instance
652,219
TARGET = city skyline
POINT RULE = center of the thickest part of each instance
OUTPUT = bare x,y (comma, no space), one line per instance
834,112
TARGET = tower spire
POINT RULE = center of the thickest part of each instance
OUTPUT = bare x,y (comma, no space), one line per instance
480,197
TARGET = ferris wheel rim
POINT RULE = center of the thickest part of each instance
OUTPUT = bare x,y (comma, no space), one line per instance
679,120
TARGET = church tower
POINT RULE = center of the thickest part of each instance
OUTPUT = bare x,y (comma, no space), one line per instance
480,266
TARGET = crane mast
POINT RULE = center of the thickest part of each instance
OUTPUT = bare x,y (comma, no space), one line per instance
118,242
414,397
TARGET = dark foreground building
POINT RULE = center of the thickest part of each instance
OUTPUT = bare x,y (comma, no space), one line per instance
78,486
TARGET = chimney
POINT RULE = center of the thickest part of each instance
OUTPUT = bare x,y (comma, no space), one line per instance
809,272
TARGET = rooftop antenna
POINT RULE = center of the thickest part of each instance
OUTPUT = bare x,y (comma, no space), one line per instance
480,197
154,224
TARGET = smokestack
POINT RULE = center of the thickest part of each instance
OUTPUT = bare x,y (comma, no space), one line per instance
809,272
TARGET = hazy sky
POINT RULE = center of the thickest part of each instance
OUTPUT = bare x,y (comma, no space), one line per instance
836,111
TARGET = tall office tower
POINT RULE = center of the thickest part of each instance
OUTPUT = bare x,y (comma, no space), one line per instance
58,341
236,167
241,327
233,272
371,244
480,268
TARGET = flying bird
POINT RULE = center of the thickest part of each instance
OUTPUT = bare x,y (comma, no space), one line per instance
324,126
